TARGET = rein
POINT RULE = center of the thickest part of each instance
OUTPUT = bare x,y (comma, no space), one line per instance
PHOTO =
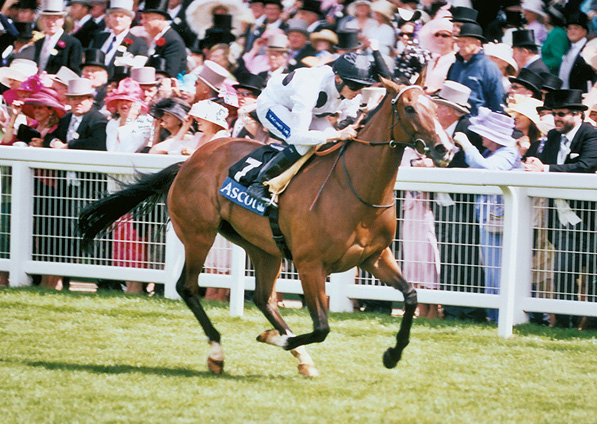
416,143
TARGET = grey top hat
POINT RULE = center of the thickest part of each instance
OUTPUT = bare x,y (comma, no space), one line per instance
213,75
125,6
64,75
80,87
144,76
455,95
297,25
52,7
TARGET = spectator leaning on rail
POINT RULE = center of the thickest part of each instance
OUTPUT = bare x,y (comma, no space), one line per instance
293,108
500,154
570,147
473,69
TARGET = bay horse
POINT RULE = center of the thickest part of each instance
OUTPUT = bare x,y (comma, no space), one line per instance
350,225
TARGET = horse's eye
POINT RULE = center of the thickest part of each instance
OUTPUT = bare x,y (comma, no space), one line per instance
409,109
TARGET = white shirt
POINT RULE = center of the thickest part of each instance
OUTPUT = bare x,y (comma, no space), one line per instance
129,138
156,38
568,62
110,54
48,48
174,12
565,147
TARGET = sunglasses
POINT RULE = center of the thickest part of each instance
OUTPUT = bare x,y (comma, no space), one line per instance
354,86
562,114
437,35
407,34
244,93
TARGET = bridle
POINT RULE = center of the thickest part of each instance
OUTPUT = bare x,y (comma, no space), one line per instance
416,143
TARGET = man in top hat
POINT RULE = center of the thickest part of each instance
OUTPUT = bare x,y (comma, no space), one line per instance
525,51
570,147
219,33
459,247
98,13
298,43
95,70
118,41
348,41
248,89
550,83
310,12
177,10
146,78
272,19
527,84
210,81
165,41
56,48
84,26
22,46
84,127
462,15
574,71
475,70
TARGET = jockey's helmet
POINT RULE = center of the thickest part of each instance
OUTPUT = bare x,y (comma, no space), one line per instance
355,69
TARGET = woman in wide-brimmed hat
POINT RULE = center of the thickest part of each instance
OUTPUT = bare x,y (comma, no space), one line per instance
436,36
500,154
169,115
43,110
528,122
130,127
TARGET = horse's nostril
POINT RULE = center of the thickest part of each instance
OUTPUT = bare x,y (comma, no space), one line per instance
440,149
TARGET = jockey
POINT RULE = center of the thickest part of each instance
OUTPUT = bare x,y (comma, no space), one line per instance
294,106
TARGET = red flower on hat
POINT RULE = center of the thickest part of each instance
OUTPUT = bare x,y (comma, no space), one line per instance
160,41
61,44
128,41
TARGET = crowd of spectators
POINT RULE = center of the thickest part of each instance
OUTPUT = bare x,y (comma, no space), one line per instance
513,81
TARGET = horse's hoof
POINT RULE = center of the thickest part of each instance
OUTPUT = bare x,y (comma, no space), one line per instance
267,336
308,370
388,361
215,366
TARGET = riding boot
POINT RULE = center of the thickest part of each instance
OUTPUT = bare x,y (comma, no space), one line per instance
278,164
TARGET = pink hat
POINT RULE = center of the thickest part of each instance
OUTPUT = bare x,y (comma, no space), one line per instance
428,31
44,97
128,89
33,84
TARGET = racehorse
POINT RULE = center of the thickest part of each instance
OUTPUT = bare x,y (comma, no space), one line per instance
350,225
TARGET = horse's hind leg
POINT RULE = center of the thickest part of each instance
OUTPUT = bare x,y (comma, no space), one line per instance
387,271
188,288
267,269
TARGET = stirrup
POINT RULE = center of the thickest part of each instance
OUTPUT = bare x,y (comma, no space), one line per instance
260,192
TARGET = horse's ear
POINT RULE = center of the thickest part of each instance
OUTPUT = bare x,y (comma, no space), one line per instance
390,85
422,77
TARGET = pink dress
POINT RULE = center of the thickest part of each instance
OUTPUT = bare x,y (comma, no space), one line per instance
420,250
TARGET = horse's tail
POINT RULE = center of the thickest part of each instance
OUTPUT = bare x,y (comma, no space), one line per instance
148,188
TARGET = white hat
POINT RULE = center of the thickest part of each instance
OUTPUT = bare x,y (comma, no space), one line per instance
494,126
210,111
19,69
527,106
125,6
455,95
144,76
80,87
535,6
501,51
384,8
64,75
352,7
52,7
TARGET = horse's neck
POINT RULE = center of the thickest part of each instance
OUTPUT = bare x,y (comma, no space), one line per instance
378,164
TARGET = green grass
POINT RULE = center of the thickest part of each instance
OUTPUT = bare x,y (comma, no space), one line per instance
75,358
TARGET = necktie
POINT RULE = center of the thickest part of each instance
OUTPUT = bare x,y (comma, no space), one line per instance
72,129
564,149
44,57
111,45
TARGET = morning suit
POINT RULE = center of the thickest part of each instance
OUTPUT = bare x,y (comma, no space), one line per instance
294,62
86,33
172,49
582,76
574,244
69,55
91,132
136,46
182,28
537,66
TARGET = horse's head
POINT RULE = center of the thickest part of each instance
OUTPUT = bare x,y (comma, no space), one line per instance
415,122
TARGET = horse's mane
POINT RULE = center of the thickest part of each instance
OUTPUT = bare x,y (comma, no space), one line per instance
373,111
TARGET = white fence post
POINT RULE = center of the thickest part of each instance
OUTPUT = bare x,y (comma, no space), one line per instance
517,255
21,223
237,286
339,302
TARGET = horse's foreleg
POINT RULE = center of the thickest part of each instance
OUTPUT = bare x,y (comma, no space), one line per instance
313,282
188,288
267,270
387,271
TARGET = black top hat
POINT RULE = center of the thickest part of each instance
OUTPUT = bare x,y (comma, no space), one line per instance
222,20
514,18
160,64
524,38
311,6
250,82
94,57
472,30
464,14
580,19
556,14
550,81
25,30
348,40
530,80
156,6
215,36
120,73
565,99
28,4
276,2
